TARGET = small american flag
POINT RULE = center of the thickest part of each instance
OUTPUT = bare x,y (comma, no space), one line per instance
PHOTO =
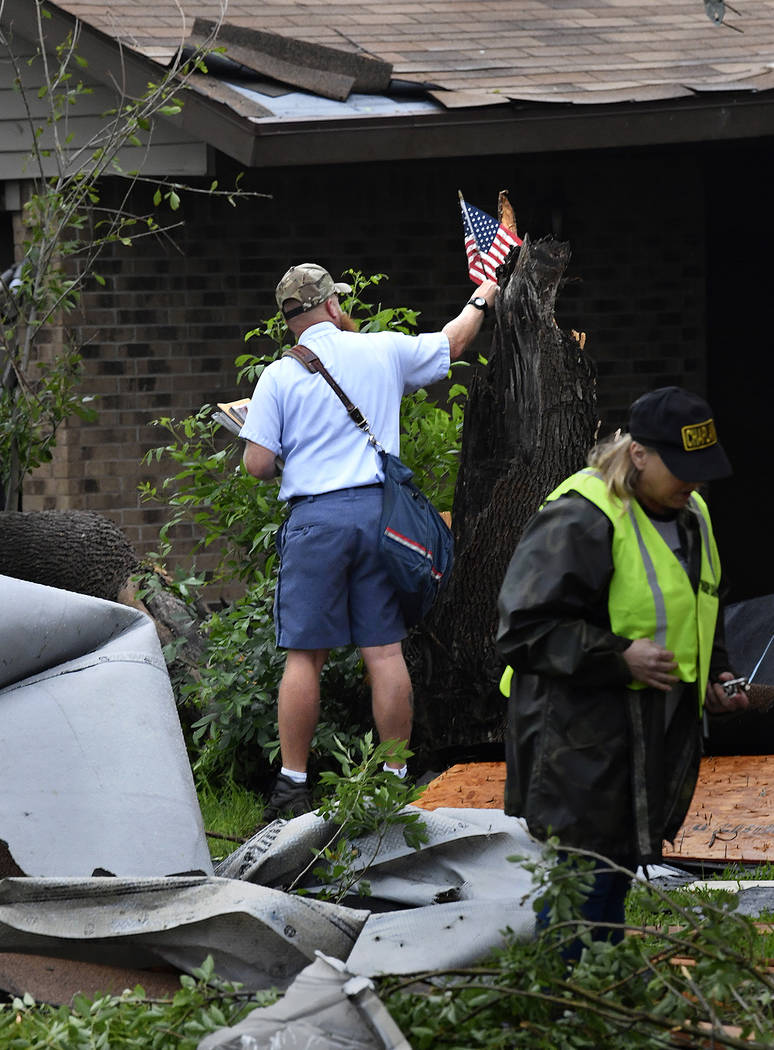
487,242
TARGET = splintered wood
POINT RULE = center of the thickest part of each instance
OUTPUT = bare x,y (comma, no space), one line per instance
731,818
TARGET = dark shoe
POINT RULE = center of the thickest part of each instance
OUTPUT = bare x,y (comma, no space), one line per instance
288,799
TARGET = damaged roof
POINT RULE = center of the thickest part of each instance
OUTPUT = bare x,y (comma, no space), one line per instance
578,51
293,67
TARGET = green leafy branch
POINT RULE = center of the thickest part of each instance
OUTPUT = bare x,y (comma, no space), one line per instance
692,974
67,229
204,1003
363,801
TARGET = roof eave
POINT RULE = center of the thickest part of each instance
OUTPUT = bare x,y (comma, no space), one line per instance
527,128
129,73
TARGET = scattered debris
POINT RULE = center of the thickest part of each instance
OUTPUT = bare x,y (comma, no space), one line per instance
443,905
95,770
103,786
258,936
326,1008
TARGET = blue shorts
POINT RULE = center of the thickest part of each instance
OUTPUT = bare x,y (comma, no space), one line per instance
333,589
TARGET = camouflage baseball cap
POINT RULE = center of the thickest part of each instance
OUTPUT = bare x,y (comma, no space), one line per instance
310,284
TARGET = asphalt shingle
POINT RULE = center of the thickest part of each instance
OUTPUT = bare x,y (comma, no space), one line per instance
537,49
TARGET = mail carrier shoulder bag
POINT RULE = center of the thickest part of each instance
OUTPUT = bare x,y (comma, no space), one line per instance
415,541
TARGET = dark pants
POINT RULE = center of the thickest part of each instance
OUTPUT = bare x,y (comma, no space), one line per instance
604,904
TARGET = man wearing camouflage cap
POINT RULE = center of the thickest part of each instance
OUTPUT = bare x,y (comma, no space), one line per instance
333,589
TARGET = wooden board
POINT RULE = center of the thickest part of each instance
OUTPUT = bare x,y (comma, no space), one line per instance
53,980
731,818
471,785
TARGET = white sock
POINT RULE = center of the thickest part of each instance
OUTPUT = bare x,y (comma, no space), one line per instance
294,775
398,772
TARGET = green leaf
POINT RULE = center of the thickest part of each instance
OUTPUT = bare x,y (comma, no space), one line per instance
174,200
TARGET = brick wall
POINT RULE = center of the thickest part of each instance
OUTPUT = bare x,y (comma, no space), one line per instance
162,335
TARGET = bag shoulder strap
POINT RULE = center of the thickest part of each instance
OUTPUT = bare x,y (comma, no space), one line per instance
312,363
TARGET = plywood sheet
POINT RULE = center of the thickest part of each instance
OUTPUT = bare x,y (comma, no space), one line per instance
469,785
52,980
731,818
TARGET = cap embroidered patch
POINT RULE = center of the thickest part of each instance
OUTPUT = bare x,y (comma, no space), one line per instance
699,435
679,426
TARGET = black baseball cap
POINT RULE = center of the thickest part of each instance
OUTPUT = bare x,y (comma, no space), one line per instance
680,427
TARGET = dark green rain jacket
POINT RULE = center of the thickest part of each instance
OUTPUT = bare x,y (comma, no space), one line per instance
588,759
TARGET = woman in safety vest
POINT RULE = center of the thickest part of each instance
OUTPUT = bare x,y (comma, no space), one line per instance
609,624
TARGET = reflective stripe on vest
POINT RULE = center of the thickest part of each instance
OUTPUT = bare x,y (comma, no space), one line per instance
650,594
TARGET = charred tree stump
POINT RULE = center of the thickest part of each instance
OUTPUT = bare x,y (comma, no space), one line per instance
530,421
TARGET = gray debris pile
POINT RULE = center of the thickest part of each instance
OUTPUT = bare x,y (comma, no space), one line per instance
106,859
95,771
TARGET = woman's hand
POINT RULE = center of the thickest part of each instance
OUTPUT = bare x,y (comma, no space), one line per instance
718,703
652,664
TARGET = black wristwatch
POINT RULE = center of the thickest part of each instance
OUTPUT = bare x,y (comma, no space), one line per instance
479,302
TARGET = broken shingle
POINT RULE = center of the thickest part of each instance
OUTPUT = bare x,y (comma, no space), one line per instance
325,71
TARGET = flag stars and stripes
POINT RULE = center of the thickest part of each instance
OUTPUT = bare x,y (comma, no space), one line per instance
487,243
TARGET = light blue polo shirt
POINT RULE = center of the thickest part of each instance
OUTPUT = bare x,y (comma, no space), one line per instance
295,414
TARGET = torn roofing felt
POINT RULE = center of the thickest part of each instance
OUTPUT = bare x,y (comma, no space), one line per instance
322,70
95,770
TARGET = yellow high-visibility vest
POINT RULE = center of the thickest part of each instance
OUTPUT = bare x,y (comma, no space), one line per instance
650,594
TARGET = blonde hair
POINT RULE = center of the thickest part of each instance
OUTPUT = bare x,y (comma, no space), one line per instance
612,459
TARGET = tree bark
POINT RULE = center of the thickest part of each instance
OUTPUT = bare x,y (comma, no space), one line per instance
87,553
73,549
530,421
